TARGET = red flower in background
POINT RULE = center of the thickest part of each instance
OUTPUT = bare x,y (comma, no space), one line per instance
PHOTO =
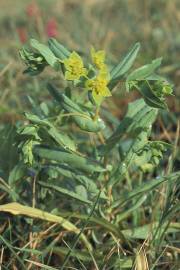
52,28
22,33
33,10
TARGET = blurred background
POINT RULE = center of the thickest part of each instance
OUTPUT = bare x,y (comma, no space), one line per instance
111,25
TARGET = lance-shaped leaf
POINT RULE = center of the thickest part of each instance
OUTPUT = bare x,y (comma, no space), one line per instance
144,71
75,175
138,118
72,159
65,191
46,53
137,144
58,49
19,209
136,205
82,119
126,63
61,138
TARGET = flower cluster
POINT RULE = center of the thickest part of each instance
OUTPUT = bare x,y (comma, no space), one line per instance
74,67
98,84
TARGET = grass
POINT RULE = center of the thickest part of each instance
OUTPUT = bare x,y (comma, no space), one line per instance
53,217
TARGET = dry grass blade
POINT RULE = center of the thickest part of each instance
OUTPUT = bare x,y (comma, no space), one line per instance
19,209
1,257
41,265
141,262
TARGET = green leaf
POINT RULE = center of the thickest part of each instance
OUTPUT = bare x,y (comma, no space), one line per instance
144,71
58,49
16,173
82,119
61,138
46,53
128,212
30,131
126,63
139,117
141,131
65,192
137,144
36,119
67,171
71,159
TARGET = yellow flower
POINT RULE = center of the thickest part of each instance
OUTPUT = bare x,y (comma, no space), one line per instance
98,58
98,86
74,67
